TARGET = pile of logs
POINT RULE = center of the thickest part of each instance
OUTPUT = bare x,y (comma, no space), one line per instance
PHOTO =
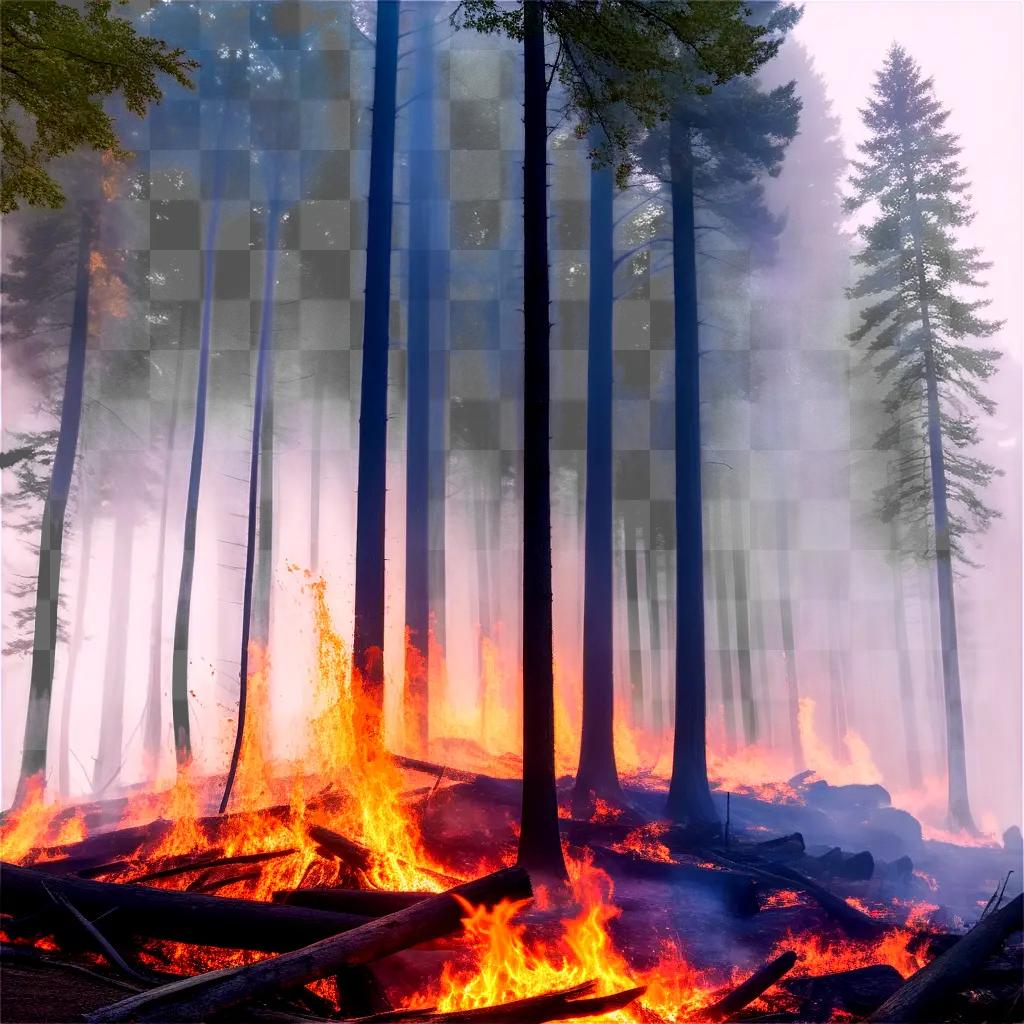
306,935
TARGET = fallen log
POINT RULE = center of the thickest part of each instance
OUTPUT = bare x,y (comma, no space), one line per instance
202,863
564,1004
737,888
854,922
953,970
199,997
747,991
791,845
359,856
853,993
371,902
178,916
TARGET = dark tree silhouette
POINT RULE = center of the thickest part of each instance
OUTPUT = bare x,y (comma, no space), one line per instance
920,328
597,775
421,369
37,722
719,145
613,64
182,618
368,637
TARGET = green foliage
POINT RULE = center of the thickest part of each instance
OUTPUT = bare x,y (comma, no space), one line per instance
910,177
57,64
621,63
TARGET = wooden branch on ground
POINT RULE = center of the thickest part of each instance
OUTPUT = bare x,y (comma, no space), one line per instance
361,857
952,971
201,863
854,922
198,998
736,887
565,1004
179,916
371,902
99,940
746,992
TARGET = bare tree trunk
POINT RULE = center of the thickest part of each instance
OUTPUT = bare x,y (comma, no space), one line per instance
75,648
44,644
689,798
718,556
368,635
111,742
748,708
316,441
153,717
540,847
788,645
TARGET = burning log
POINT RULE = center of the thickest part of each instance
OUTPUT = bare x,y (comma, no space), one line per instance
371,902
197,998
178,916
953,970
562,1005
203,862
753,988
735,887
359,856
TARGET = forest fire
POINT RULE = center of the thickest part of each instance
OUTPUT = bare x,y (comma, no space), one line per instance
492,530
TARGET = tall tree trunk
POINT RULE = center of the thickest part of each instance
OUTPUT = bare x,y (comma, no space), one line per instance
636,671
654,604
152,722
597,773
911,740
179,662
540,848
75,649
315,443
264,578
51,540
689,796
748,706
837,685
788,645
263,370
368,639
956,757
111,743
418,507
719,559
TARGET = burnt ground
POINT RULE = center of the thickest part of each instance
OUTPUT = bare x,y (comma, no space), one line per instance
474,827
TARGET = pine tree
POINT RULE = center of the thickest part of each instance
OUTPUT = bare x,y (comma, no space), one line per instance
613,61
716,149
919,328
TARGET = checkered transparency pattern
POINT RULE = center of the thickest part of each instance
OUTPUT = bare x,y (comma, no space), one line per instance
282,112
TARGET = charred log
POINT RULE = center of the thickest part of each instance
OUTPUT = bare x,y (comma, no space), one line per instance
753,988
178,916
736,888
953,970
198,998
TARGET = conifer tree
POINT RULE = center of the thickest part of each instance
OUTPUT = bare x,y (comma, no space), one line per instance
919,327
614,62
716,149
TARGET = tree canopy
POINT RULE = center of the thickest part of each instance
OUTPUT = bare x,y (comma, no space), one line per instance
621,63
57,65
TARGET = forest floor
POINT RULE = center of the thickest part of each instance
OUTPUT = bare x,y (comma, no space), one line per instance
925,892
